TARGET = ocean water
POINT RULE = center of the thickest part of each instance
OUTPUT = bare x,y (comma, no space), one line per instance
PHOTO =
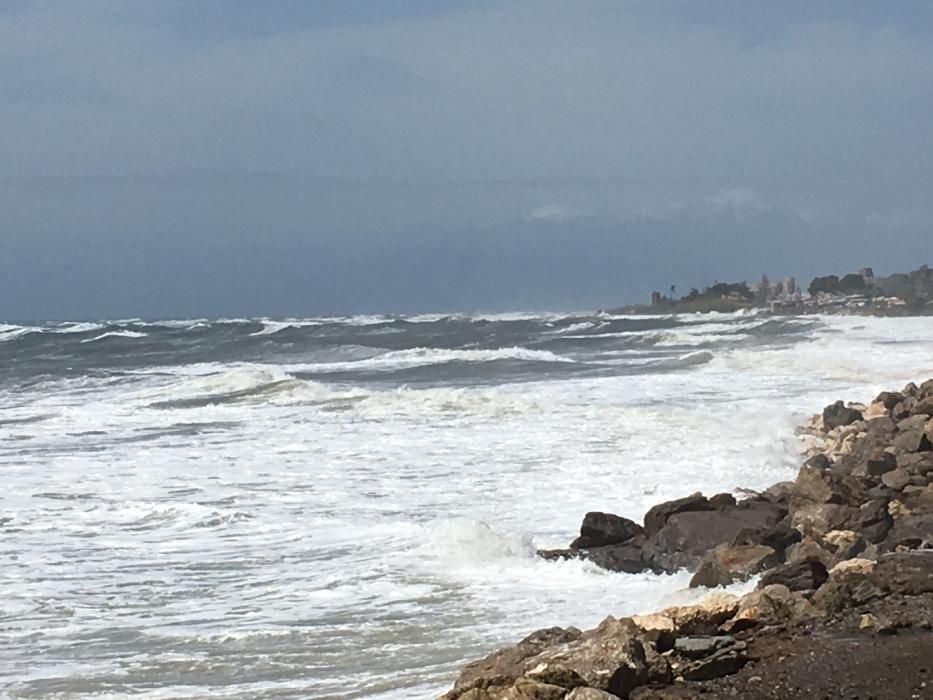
349,507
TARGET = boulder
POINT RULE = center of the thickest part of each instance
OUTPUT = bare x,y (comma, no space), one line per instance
910,532
912,440
808,550
904,573
686,537
722,500
589,694
896,480
849,584
509,662
657,516
889,399
817,519
609,658
881,463
725,564
818,461
773,604
703,617
722,663
806,575
837,415
601,529
626,557
657,628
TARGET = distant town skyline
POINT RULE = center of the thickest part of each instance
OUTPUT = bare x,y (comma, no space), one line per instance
170,158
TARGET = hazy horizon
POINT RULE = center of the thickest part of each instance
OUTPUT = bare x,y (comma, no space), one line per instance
176,159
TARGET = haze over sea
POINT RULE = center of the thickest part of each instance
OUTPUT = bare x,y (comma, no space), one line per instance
349,507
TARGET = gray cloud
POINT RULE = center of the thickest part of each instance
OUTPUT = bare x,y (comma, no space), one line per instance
169,157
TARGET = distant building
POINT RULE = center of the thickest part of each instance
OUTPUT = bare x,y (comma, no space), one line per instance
867,273
790,286
655,298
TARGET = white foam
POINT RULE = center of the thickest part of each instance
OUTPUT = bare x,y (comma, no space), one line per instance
115,334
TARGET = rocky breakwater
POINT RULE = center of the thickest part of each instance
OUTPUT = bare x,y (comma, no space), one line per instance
845,595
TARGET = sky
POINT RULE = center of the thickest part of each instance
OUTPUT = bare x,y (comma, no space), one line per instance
173,158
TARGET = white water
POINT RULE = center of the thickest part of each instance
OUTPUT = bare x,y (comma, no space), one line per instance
329,541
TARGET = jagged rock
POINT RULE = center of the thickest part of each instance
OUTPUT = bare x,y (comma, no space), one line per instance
912,440
509,662
919,463
819,518
504,688
687,536
905,573
698,647
807,575
610,657
910,532
729,563
771,604
657,516
919,500
601,529
837,415
711,573
849,584
780,492
896,480
818,461
703,617
722,663
589,694
722,500
889,399
881,464
808,550
626,557
657,629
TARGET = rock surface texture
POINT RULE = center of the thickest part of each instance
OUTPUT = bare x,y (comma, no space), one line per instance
844,603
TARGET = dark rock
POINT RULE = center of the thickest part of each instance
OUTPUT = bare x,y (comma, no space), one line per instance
837,414
808,550
912,440
910,532
688,536
818,461
780,492
722,500
817,519
924,407
920,463
889,399
558,554
601,529
807,575
711,573
880,464
720,664
896,479
626,557
876,532
509,662
698,647
905,573
779,537
656,518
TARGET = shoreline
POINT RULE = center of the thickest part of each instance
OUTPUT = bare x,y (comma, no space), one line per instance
845,595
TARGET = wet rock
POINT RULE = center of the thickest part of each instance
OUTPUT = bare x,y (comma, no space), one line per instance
711,573
780,492
837,415
889,399
657,516
807,575
698,647
601,529
818,461
687,536
626,558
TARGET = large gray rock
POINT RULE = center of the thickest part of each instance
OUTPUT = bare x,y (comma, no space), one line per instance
905,573
910,532
687,536
509,662
838,414
806,575
657,516
601,529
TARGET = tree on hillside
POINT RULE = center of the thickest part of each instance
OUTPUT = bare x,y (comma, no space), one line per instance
827,285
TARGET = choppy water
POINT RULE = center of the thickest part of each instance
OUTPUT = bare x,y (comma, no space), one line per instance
344,508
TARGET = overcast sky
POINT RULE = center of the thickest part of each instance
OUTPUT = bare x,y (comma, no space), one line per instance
233,157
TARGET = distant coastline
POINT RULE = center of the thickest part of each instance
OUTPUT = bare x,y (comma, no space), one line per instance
860,293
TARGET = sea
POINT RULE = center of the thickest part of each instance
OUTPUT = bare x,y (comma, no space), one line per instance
350,507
